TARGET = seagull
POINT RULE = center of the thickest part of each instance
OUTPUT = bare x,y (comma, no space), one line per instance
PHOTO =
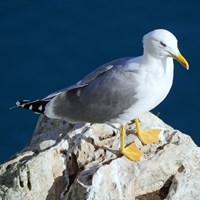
119,91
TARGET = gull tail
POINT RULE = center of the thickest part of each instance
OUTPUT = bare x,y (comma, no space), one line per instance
37,106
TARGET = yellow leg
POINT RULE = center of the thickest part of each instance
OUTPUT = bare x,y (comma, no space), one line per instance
131,151
147,136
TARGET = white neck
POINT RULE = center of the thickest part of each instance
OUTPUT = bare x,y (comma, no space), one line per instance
165,62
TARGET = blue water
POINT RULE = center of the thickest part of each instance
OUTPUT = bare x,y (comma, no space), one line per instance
48,45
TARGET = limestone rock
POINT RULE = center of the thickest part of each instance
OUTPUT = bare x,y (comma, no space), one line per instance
82,161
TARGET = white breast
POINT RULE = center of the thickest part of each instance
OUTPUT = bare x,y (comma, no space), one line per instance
153,86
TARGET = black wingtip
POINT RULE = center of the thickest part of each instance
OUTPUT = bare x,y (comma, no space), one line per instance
37,106
19,103
22,102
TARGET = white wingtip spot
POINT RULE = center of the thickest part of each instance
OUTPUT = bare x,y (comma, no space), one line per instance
17,103
30,107
40,108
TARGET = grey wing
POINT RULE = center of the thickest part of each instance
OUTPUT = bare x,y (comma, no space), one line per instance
96,98
101,70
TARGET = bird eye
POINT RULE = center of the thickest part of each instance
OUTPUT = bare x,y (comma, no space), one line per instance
163,44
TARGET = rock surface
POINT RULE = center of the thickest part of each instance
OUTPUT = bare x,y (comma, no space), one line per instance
82,161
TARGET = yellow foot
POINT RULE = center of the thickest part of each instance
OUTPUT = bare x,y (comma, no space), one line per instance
132,152
149,136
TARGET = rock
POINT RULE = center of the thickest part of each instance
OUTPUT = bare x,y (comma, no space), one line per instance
82,161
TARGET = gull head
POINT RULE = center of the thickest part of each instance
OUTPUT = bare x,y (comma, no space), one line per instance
161,43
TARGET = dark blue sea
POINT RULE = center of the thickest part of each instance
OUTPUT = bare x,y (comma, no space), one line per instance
48,45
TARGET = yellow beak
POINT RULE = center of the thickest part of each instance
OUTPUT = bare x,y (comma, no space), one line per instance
181,60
